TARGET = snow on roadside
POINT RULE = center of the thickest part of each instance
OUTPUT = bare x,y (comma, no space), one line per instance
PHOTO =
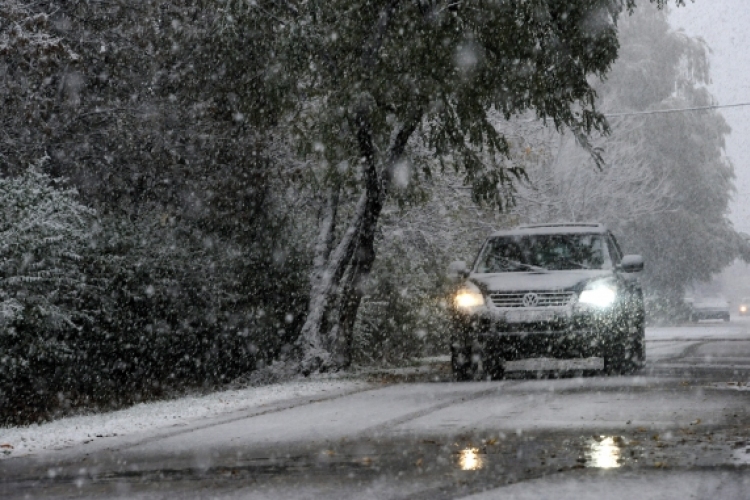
154,416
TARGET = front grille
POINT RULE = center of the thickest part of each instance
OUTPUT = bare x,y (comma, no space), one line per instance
544,298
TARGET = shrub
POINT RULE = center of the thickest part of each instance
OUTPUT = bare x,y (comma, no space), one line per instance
44,232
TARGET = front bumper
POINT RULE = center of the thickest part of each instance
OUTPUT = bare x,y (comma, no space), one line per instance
711,313
570,334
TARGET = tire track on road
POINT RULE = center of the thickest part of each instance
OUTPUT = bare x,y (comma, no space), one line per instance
497,387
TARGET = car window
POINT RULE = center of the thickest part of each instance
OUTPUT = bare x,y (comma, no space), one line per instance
550,252
614,249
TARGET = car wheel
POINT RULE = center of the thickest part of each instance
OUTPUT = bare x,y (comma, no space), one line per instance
468,362
616,358
638,350
460,362
727,318
628,353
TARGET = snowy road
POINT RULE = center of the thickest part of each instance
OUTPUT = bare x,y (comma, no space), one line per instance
680,427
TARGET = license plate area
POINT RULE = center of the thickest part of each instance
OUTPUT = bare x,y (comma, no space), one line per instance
553,364
530,316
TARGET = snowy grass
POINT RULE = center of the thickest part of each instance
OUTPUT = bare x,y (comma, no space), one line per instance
154,416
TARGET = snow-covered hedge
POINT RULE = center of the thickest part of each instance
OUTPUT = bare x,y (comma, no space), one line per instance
104,311
44,232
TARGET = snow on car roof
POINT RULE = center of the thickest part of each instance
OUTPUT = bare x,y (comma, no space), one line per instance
554,228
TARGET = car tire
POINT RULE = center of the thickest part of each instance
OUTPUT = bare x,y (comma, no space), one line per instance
628,354
727,318
616,358
638,350
460,360
468,362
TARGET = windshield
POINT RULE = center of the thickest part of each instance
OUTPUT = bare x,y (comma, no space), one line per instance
543,252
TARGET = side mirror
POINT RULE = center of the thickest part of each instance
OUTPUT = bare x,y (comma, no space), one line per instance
457,270
631,264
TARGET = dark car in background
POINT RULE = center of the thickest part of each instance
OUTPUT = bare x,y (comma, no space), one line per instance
547,291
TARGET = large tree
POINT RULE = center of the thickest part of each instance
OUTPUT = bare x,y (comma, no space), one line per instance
367,77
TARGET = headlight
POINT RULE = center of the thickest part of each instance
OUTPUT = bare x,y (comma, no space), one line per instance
743,309
469,297
598,294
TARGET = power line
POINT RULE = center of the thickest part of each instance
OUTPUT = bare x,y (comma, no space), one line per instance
676,110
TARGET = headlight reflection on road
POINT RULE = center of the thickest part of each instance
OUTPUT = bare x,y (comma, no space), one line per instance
470,459
604,452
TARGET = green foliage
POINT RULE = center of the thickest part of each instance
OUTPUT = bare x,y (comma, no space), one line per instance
404,314
383,66
183,309
43,233
166,309
194,274
106,311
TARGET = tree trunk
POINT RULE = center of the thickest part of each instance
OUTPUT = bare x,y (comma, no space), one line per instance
355,253
376,187
323,283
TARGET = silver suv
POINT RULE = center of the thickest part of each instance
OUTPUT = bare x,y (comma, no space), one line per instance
547,291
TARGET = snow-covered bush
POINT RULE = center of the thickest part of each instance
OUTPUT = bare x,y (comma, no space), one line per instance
44,232
182,308
403,316
127,310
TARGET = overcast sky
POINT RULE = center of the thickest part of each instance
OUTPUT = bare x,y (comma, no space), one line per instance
725,26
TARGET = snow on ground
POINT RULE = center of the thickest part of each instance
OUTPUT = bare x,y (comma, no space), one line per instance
705,330
155,416
667,342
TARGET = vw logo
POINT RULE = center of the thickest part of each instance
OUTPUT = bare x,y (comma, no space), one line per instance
530,300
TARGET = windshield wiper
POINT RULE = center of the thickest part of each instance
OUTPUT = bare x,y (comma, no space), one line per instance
579,264
522,265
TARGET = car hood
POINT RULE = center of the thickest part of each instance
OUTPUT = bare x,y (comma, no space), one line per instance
532,280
